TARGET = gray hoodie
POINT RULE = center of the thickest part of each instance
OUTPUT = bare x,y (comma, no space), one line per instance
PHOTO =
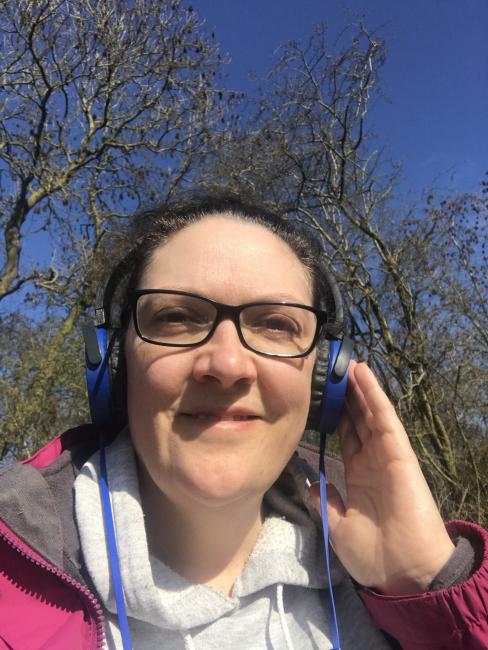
279,601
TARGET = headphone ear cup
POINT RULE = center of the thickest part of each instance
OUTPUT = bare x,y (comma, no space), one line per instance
97,358
319,377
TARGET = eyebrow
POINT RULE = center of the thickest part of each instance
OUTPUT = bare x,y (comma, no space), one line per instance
259,297
279,295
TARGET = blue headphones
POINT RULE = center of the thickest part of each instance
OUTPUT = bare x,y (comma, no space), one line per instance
99,346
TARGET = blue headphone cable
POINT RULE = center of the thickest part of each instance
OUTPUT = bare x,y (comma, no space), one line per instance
97,351
331,406
113,553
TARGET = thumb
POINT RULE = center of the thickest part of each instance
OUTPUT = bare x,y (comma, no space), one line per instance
336,510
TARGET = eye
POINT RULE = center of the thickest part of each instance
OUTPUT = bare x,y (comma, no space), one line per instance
279,323
270,323
179,316
172,316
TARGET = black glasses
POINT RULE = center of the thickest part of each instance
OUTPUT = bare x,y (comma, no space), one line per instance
182,319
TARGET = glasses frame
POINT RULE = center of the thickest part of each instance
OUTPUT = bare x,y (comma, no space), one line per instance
232,312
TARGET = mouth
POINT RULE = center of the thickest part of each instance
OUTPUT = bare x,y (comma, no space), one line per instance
221,416
214,416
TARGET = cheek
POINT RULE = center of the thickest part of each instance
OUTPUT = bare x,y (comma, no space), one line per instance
153,384
287,392
297,389
300,403
289,397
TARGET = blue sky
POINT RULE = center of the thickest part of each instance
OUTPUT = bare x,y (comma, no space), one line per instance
433,114
433,118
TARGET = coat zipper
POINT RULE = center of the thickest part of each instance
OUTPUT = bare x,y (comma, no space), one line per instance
72,582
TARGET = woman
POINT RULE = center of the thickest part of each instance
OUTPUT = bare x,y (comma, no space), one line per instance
216,530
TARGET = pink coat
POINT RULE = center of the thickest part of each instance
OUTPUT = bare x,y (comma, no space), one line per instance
45,603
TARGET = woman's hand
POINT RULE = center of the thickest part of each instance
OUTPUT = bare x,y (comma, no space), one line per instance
390,535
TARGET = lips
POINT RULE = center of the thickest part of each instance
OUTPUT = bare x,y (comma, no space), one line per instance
237,418
237,415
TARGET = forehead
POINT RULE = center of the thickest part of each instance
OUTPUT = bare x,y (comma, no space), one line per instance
229,260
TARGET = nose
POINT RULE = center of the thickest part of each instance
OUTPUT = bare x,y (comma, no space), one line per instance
224,359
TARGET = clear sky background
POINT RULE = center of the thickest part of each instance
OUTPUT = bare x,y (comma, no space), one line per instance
433,118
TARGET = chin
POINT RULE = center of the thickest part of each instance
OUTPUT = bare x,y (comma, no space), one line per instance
215,486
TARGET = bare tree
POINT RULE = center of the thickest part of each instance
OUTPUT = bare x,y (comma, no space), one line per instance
103,105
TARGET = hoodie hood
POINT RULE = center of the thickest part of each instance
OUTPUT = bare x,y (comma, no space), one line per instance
289,550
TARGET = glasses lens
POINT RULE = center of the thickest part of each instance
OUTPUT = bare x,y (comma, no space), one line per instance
278,329
174,319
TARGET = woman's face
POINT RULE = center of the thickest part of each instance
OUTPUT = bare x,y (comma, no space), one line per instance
217,423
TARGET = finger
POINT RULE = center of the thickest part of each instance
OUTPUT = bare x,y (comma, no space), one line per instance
383,417
348,438
358,411
374,398
336,510
357,406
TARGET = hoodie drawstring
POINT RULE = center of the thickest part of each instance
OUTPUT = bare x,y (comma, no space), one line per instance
281,612
189,645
